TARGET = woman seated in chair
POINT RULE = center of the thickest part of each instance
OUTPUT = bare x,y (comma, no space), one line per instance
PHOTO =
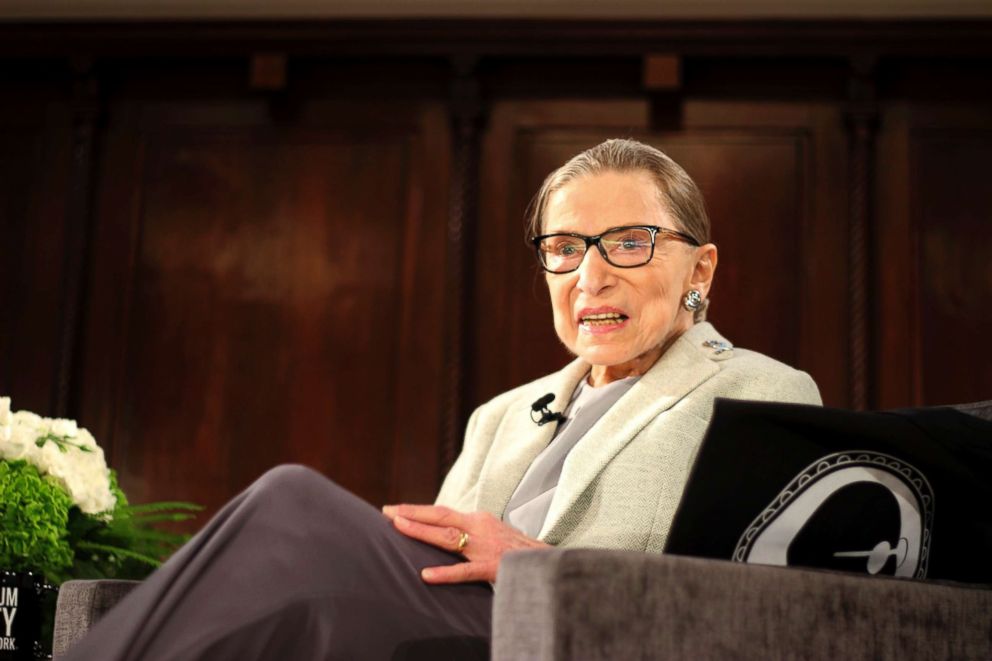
297,568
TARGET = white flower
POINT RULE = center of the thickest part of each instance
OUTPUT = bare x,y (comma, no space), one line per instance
63,427
61,449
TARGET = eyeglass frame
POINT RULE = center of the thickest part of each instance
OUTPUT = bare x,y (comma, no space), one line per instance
595,241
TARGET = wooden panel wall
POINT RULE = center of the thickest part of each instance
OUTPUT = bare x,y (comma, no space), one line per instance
216,277
264,294
933,249
35,124
955,274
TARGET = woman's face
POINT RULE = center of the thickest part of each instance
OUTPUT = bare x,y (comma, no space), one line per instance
645,302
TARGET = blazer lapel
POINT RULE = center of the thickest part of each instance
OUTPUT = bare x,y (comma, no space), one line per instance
679,370
519,440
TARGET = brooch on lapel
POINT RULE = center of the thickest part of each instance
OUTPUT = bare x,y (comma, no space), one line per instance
718,346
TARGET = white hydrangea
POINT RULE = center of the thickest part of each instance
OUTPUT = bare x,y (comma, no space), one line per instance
66,452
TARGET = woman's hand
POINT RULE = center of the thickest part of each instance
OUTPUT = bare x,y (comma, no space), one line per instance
488,539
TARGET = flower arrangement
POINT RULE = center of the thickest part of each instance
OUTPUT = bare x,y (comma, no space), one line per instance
62,513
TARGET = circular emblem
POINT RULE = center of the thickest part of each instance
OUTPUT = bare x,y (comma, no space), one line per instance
859,511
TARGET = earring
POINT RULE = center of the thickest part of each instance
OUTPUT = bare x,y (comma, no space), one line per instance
692,300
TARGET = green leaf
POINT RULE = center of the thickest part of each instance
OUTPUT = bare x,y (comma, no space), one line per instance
164,505
119,551
61,442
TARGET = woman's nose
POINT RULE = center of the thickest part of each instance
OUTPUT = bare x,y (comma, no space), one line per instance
595,274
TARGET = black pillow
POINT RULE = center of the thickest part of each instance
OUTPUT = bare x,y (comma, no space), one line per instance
899,493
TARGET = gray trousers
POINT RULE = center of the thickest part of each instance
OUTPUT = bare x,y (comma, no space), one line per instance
295,567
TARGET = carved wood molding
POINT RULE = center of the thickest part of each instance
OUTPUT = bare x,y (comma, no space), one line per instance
862,116
842,38
467,115
86,113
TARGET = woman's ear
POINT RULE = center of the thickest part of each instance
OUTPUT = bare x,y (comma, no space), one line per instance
704,268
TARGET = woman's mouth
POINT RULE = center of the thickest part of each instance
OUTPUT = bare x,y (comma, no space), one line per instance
602,321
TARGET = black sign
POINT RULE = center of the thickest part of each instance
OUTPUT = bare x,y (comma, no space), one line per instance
24,597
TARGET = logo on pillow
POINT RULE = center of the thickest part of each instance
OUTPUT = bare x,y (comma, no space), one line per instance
857,511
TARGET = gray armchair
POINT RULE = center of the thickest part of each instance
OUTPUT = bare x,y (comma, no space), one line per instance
80,604
567,604
592,604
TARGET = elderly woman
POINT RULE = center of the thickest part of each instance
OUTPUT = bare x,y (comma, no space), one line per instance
295,567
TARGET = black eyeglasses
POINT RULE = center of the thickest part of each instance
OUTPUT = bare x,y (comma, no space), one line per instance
625,247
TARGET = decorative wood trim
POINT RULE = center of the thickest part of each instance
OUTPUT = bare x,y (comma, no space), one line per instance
86,111
467,120
862,121
662,72
962,37
268,71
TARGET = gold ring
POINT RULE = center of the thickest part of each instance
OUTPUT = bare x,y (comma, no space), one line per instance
462,542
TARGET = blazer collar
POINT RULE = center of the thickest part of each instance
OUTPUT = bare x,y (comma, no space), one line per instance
681,369
519,439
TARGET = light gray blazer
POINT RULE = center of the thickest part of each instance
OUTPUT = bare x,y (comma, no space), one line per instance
622,482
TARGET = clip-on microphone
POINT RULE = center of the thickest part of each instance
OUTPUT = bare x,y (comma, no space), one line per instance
544,416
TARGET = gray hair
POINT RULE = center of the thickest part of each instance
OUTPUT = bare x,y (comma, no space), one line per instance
676,189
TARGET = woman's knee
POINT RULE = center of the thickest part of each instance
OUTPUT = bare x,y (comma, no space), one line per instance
292,481
290,472
306,495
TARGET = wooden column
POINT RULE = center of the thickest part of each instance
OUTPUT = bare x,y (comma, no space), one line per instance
86,112
862,123
467,121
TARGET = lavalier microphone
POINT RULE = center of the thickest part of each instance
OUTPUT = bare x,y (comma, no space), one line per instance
540,414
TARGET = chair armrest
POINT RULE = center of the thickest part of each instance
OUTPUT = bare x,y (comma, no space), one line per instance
80,604
595,604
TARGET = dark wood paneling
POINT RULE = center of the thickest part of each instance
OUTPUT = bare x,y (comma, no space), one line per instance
780,239
34,159
86,113
263,295
932,256
755,185
20,159
955,262
467,115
